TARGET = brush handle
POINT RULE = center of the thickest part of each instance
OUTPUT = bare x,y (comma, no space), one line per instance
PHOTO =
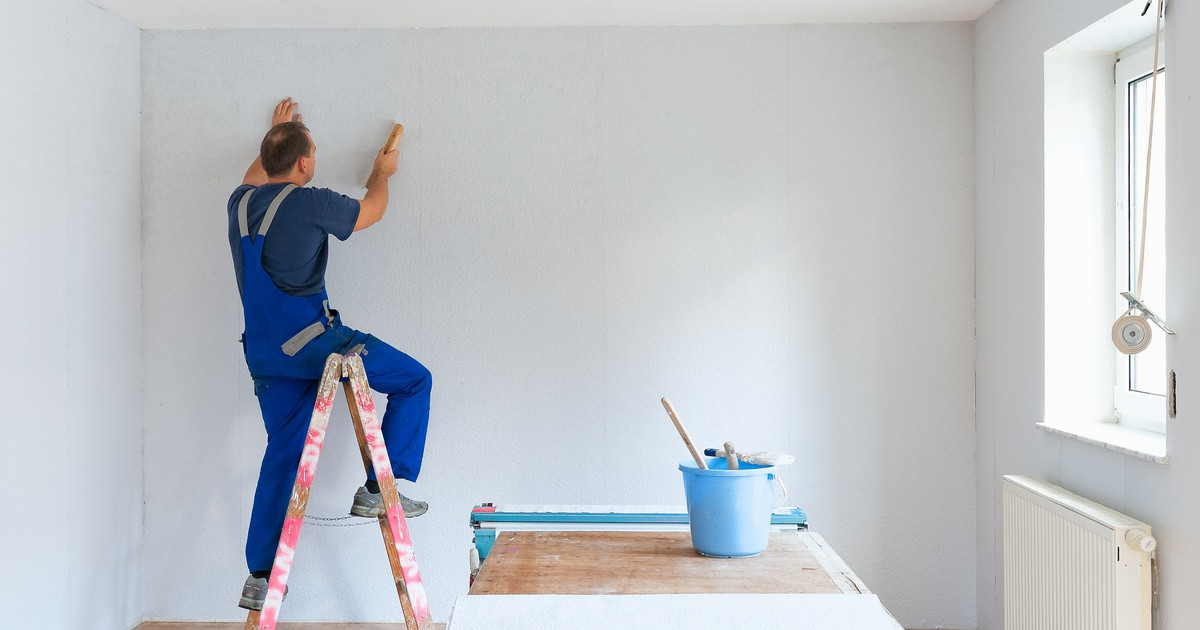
394,138
731,456
683,433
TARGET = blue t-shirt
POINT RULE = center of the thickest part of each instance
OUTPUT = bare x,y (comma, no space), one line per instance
297,248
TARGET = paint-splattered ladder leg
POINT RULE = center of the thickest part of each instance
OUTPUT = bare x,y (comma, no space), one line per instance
277,584
395,531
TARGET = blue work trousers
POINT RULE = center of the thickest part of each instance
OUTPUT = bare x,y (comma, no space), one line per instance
287,399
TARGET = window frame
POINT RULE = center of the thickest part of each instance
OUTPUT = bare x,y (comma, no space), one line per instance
1133,408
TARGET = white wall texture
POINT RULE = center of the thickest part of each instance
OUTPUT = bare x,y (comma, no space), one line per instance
1009,43
770,225
71,513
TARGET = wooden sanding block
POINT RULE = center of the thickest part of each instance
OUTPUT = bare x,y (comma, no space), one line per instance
394,138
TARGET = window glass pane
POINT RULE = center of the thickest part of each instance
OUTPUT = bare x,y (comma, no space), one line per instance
1147,371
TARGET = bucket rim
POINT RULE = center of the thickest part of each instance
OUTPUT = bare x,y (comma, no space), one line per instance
688,466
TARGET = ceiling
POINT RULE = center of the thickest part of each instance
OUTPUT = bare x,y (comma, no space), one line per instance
175,14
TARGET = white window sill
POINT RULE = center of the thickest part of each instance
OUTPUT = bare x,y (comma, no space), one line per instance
1140,443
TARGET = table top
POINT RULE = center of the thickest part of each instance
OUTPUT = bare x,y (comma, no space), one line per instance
656,562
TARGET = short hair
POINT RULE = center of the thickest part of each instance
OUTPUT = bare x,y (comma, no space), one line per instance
282,146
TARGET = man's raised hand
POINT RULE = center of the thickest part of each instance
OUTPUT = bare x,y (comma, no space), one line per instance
386,162
285,111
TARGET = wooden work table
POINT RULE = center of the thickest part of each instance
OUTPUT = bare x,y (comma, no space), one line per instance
622,562
555,580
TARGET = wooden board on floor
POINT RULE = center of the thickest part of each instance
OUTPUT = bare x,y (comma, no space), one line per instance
621,562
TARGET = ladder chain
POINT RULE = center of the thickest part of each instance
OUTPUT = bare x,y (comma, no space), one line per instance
334,521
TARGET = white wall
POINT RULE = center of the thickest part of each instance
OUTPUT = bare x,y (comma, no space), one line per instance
1009,43
72,467
770,225
33,41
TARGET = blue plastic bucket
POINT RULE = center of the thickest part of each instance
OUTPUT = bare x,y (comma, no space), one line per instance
729,511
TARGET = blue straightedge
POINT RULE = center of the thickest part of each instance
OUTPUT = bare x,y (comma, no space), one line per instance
487,519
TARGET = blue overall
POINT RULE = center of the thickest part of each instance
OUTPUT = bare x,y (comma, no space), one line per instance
286,342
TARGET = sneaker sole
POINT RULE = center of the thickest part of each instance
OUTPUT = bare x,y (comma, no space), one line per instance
368,513
257,604
250,604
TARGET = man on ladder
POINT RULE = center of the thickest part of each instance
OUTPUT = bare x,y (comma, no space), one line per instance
290,329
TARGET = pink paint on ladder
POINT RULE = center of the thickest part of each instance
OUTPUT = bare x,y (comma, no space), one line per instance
408,563
383,473
312,451
371,428
279,576
288,538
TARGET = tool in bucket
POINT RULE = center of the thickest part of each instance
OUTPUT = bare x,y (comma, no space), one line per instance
413,599
687,439
762,458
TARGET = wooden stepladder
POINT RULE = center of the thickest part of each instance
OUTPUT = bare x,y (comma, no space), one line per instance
395,531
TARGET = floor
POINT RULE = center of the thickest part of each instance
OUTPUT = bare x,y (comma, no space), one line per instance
238,625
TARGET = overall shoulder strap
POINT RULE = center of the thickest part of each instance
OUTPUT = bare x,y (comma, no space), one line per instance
242,205
273,208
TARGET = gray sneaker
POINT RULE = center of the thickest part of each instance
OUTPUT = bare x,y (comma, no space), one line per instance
370,505
254,593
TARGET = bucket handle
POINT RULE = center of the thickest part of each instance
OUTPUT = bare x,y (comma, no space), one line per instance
781,487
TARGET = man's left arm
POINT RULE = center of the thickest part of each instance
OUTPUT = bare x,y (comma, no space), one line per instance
285,111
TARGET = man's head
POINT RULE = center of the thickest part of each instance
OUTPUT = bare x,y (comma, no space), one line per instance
286,147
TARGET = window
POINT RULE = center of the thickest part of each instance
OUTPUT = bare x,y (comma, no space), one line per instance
1097,110
1140,380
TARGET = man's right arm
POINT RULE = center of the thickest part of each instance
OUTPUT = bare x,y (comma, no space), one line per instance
374,204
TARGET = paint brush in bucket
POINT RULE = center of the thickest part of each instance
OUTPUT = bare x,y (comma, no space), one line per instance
760,458
684,434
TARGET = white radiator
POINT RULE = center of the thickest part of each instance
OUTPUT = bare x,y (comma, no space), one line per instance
1071,563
